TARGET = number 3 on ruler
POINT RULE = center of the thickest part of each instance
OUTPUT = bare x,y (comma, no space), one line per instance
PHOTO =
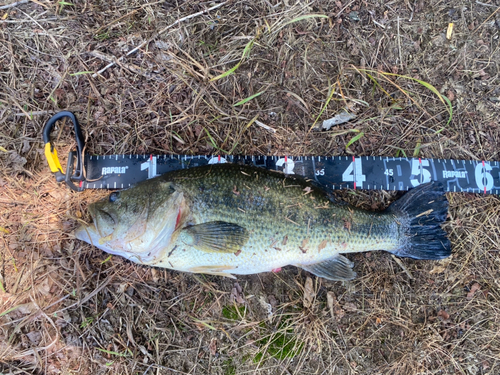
354,173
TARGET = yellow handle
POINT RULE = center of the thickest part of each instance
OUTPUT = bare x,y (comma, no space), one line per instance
52,158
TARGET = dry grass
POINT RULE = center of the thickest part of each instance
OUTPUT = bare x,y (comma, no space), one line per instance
65,307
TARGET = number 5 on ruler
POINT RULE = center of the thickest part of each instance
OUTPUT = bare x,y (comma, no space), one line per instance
354,173
150,165
417,169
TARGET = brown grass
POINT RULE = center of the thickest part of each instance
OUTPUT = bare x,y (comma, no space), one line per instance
66,308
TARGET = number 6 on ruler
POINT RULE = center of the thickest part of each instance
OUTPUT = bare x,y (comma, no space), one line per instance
354,173
483,176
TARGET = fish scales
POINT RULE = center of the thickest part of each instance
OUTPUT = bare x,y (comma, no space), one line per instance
230,219
274,207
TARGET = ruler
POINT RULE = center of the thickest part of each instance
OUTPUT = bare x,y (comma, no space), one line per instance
332,172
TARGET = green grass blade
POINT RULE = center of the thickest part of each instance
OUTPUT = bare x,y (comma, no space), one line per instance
441,97
324,107
211,139
301,18
416,152
204,324
225,74
248,48
354,139
114,353
8,311
429,87
105,260
241,102
246,53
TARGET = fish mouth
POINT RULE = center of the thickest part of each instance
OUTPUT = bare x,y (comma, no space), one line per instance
88,233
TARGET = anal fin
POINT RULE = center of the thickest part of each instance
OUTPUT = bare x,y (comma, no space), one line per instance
338,268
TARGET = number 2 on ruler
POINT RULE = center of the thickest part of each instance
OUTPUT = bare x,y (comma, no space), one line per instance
354,173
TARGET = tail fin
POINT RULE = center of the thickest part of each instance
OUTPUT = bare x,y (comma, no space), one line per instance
423,210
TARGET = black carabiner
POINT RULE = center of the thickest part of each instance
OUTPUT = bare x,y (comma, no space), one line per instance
53,160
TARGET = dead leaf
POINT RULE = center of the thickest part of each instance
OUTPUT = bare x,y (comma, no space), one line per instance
26,146
475,287
338,119
155,275
308,292
443,314
331,300
44,287
26,308
272,301
441,265
437,269
351,307
339,312
267,307
35,337
236,294
213,347
16,161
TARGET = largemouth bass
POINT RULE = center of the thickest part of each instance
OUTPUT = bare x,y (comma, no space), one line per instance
228,219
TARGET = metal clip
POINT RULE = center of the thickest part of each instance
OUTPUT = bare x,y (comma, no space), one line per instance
53,160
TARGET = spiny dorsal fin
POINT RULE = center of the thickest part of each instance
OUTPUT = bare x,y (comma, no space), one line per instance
338,268
215,237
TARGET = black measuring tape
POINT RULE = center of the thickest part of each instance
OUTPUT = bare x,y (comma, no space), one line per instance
332,172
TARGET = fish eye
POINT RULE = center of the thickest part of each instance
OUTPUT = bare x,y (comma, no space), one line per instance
114,196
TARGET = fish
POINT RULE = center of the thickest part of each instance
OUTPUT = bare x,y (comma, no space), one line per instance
230,219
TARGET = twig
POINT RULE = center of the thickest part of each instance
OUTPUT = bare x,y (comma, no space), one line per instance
14,4
486,5
399,47
34,113
157,34
39,20
127,15
487,19
398,261
262,125
132,67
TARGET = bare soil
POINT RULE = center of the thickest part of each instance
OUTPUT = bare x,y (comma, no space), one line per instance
65,307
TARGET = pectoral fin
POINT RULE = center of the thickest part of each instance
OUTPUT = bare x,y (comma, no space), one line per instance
338,268
215,237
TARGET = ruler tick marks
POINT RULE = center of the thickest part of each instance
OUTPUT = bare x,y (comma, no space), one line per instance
338,172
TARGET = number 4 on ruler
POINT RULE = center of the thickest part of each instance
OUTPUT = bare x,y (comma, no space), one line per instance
354,173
